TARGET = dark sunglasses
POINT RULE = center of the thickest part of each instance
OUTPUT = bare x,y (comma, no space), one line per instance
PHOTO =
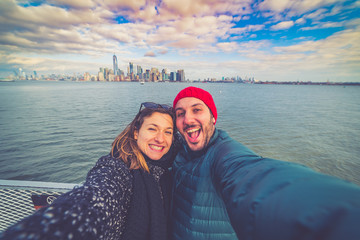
153,105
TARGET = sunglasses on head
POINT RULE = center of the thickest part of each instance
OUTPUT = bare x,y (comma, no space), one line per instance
153,105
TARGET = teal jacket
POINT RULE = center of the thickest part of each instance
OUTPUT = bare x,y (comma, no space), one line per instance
226,191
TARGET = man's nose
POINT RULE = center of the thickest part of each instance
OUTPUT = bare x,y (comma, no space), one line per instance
188,118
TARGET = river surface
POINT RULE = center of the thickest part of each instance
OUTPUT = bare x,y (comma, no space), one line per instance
56,131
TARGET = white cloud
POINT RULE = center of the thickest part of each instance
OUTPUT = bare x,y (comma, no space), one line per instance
203,7
150,54
300,21
339,52
295,7
246,30
237,19
282,25
275,5
186,33
85,28
74,4
119,5
316,15
30,18
228,46
323,25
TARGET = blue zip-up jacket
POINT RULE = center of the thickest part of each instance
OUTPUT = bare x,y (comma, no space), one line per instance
226,191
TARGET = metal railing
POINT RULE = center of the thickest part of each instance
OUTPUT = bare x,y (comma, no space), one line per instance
16,198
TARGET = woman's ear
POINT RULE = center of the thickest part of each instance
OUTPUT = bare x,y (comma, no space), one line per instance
136,133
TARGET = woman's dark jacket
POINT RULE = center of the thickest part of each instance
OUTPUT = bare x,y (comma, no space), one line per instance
109,205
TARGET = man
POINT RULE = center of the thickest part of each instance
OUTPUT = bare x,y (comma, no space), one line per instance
223,190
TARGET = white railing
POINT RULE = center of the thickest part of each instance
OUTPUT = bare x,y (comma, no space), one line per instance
16,198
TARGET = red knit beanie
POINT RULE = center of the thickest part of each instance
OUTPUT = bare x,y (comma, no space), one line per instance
200,94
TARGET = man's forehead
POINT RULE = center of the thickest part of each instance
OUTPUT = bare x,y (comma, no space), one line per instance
188,102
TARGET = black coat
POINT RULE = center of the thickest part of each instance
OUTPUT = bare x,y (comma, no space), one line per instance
98,209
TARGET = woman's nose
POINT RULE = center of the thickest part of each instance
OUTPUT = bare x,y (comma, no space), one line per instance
159,137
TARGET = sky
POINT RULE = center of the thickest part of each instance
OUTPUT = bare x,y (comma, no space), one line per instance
270,40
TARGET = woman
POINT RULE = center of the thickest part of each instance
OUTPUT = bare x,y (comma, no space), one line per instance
126,194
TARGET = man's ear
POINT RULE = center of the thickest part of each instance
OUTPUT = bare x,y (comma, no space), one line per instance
214,121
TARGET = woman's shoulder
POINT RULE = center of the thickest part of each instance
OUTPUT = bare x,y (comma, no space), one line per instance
114,163
110,168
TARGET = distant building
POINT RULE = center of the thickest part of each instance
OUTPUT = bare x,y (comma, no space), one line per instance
101,75
111,76
164,75
155,75
147,74
172,76
131,66
115,64
106,74
139,72
121,73
180,76
87,76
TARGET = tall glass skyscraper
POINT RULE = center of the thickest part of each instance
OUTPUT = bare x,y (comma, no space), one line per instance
131,67
115,64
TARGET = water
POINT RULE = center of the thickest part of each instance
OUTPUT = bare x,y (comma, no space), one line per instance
55,131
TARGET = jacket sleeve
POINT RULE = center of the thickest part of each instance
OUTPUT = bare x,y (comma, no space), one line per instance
271,199
95,210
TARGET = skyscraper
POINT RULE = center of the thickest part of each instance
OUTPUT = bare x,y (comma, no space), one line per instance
180,76
139,71
131,67
131,71
115,64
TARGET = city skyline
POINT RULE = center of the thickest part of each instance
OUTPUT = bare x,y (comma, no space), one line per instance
269,40
107,74
149,75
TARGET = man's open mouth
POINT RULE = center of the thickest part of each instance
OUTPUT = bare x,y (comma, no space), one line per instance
193,133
